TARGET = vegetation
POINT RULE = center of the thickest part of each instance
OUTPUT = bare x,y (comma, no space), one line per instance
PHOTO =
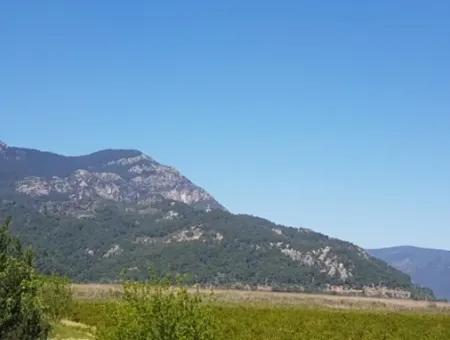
244,256
269,315
157,311
247,321
56,297
72,330
22,314
160,310
30,303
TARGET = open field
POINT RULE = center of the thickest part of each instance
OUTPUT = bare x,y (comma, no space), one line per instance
250,315
248,322
259,298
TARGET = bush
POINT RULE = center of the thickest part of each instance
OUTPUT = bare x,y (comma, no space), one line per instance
158,311
55,294
21,312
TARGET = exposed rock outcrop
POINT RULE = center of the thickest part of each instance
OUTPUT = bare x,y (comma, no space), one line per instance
136,179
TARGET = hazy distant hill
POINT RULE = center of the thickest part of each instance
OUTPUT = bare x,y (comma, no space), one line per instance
427,267
95,216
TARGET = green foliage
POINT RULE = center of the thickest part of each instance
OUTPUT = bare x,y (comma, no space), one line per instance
247,321
21,312
75,248
158,311
241,322
55,294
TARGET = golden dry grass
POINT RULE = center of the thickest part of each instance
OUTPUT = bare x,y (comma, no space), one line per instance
264,298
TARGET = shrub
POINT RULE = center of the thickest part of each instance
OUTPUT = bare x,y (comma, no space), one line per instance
158,311
55,294
21,311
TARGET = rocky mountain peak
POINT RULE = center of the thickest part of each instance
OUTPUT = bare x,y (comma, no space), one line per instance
77,185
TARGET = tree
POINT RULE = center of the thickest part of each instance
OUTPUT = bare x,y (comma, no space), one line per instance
21,311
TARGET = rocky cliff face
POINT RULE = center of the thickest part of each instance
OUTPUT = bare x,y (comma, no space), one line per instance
77,185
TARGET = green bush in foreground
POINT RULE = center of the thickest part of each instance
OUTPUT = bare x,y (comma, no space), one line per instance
55,294
157,311
29,303
21,311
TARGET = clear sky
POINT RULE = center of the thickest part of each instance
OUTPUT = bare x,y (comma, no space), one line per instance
333,115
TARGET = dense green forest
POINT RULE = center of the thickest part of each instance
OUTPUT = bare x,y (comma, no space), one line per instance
215,247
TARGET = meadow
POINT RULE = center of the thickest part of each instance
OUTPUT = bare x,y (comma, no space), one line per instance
267,315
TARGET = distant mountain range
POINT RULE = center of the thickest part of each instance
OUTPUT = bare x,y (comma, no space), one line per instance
115,213
427,267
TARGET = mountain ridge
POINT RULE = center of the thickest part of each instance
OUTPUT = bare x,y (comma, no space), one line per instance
137,176
427,266
408,246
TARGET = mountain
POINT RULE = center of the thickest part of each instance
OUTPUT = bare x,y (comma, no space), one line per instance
427,267
115,213
75,185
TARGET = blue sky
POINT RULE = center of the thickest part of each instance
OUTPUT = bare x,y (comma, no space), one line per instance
333,115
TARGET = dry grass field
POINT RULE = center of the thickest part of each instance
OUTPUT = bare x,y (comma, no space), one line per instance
284,299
